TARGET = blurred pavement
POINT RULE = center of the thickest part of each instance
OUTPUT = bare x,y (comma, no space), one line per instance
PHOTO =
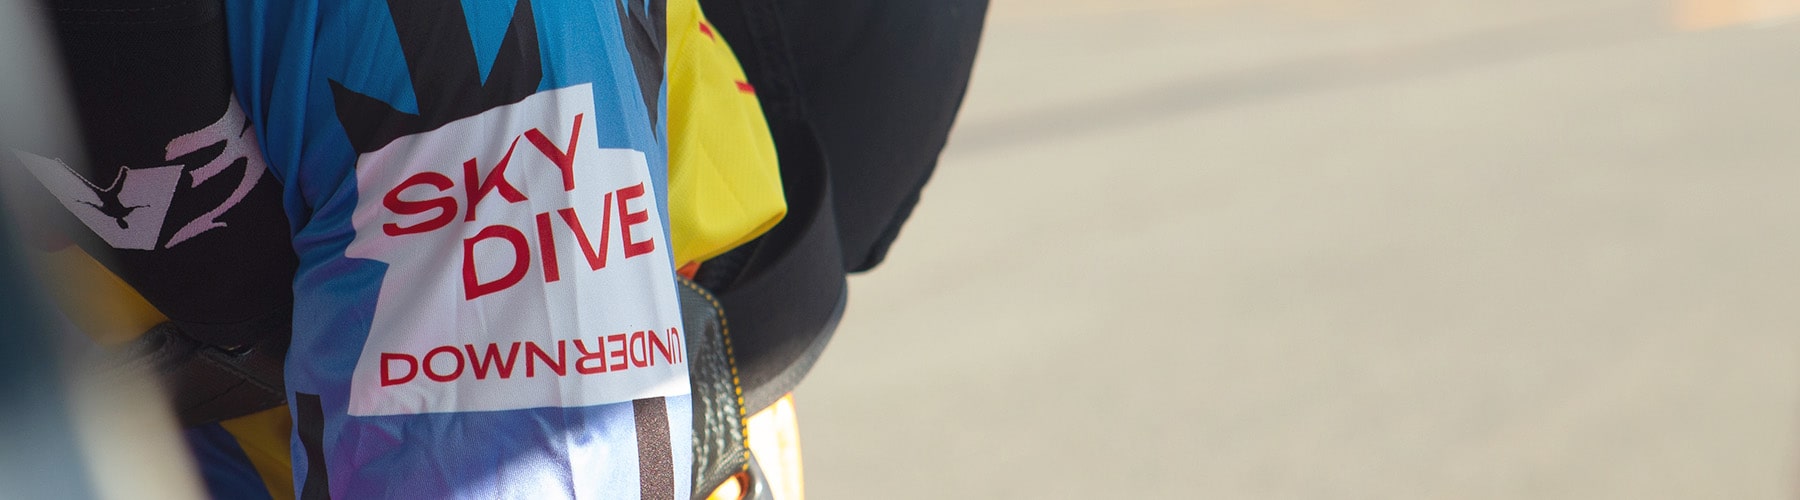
1341,249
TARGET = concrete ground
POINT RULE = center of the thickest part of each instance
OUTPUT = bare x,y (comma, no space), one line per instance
1344,249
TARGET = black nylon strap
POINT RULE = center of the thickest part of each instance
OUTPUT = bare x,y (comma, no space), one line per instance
208,383
309,423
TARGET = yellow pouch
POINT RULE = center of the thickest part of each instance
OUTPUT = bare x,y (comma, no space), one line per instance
724,183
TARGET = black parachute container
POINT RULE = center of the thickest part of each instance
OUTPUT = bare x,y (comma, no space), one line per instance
859,96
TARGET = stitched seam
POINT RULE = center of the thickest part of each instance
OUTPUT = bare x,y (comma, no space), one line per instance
730,359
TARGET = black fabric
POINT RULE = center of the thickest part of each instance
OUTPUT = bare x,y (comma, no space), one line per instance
642,23
881,82
440,57
309,424
859,97
143,74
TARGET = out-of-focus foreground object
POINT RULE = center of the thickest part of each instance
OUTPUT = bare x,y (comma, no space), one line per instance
67,428
1709,14
774,441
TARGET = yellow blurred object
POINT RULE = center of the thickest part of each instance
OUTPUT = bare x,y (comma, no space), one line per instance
264,438
774,436
96,300
775,440
724,184
1708,14
730,490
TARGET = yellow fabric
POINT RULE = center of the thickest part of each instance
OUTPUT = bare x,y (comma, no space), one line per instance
264,438
724,186
96,300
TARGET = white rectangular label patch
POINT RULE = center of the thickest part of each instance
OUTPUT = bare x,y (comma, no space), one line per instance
527,267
